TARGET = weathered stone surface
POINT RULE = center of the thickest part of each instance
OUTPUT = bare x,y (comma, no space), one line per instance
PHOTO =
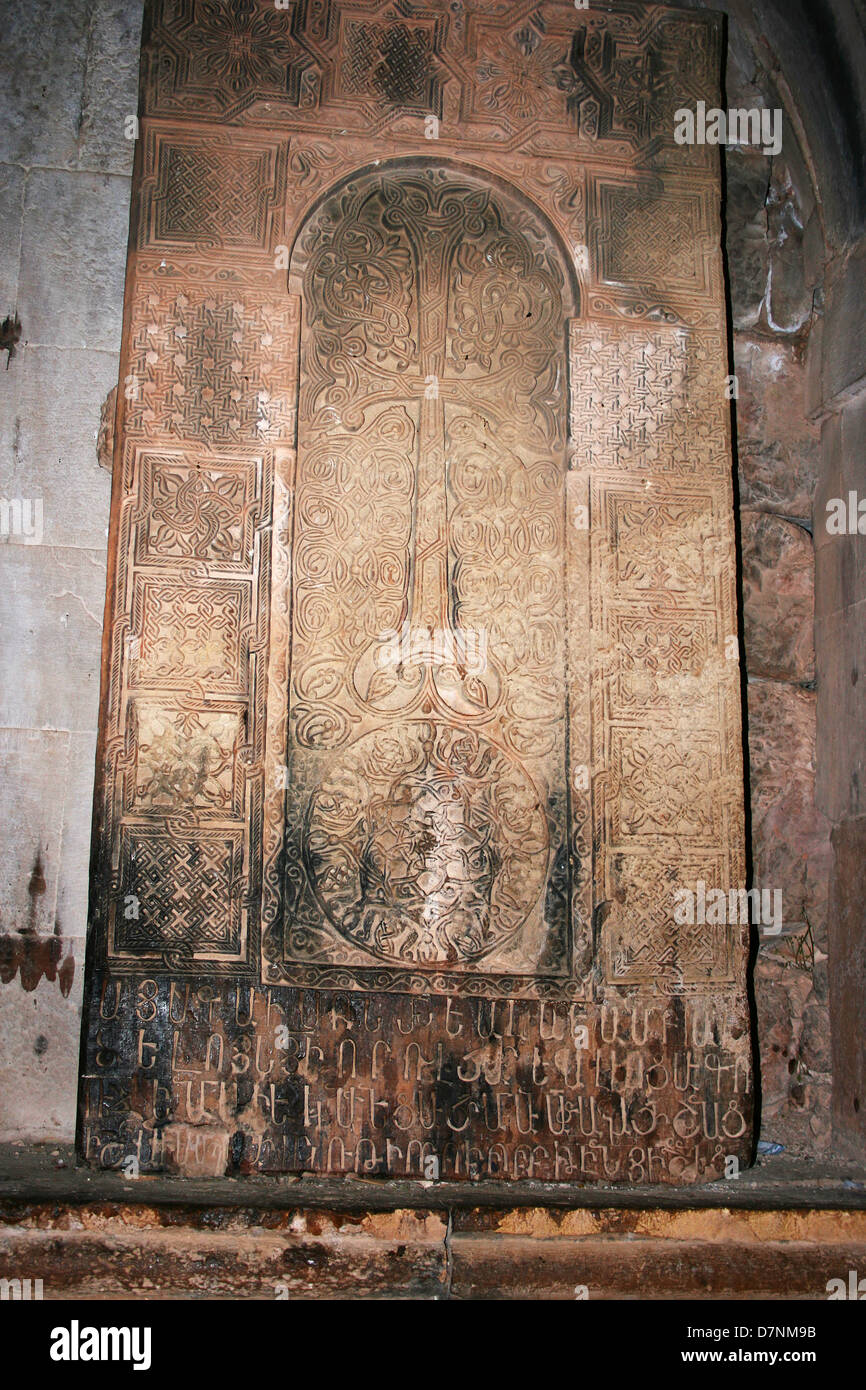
101,130
110,92
840,628
778,1046
69,233
34,767
748,173
815,1041
42,68
48,104
778,449
398,835
840,585
51,607
36,1025
141,1252
840,554
790,836
45,842
53,396
11,205
778,598
840,640
789,299
745,83
775,249
651,1255
794,1037
105,440
73,253
844,335
847,986
73,882
133,1250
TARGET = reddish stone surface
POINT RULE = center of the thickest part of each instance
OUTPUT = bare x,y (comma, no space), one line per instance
778,598
127,1251
146,1252
791,850
777,446
748,248
794,1034
360,904
848,986
790,836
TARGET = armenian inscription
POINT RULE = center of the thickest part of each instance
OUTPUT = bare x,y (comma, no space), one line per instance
419,705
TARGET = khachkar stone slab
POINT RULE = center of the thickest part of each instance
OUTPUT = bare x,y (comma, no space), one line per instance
420,759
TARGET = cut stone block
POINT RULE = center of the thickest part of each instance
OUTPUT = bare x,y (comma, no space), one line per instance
73,257
778,598
778,450
51,605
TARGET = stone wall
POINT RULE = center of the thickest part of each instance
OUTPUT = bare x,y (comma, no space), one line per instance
70,77
775,260
70,82
838,384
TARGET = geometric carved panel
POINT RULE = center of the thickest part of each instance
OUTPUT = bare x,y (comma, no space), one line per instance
196,507
628,76
638,948
655,241
188,756
222,59
210,194
664,786
657,543
191,632
182,894
649,400
659,660
394,61
206,365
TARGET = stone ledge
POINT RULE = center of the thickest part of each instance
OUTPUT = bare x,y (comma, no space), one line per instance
116,1250
512,1267
33,1174
111,1251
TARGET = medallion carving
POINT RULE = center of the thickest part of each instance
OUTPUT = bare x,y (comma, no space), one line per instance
426,845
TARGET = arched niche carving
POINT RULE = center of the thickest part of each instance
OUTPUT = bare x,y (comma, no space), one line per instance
427,818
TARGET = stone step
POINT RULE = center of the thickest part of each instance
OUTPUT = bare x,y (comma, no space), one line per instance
119,1250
